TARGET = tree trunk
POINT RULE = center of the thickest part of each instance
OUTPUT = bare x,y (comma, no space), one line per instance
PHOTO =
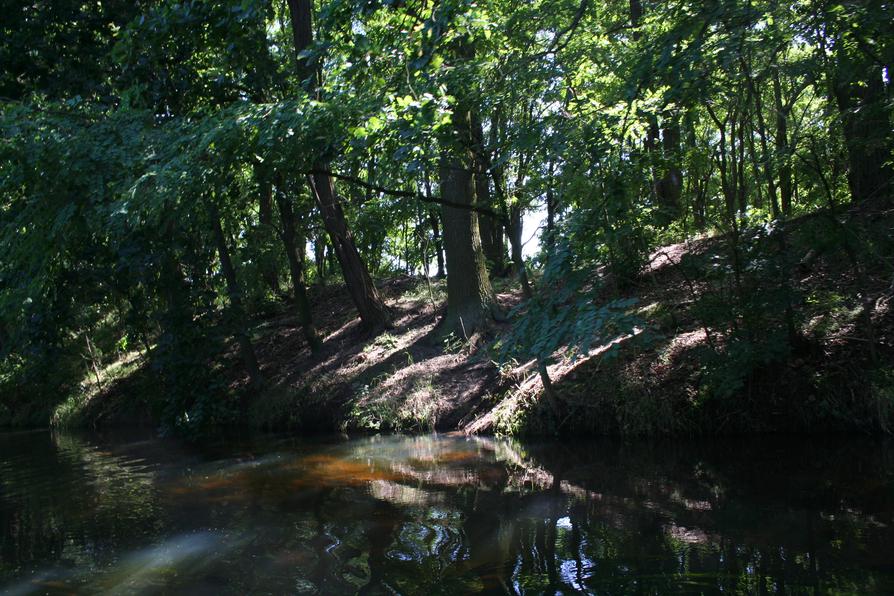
755,162
667,175
234,293
301,12
438,243
515,242
765,152
636,14
435,228
491,231
783,153
548,390
514,231
492,244
651,143
670,184
265,216
860,96
550,206
698,179
470,298
727,177
372,309
320,258
739,156
294,246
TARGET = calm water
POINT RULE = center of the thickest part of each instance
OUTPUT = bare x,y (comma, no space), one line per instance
443,514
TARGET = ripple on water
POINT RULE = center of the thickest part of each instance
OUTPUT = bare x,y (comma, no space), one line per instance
436,514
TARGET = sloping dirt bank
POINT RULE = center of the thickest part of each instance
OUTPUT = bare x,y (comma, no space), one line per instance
757,330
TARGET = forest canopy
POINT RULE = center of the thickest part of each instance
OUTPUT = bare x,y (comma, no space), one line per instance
170,171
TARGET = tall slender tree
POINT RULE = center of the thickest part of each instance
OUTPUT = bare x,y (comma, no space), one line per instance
373,311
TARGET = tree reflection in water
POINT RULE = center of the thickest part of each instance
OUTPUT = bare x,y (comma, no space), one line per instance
445,514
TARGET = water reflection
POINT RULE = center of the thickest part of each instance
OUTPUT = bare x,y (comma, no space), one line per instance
444,514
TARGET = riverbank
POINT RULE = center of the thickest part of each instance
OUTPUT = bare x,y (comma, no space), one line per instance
753,330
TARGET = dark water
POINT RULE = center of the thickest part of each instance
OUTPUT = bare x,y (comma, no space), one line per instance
444,514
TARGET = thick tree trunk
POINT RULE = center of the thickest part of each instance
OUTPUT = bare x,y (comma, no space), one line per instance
372,309
294,245
651,145
698,180
470,298
755,162
301,12
548,390
636,14
662,145
754,106
860,96
234,293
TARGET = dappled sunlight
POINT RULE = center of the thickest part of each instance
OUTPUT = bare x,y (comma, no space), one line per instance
525,224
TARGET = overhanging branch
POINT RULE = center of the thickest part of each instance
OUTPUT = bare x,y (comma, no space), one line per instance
408,194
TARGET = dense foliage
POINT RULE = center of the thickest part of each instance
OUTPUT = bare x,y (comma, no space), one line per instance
165,166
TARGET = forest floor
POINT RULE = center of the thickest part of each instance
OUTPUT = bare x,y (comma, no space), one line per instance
684,373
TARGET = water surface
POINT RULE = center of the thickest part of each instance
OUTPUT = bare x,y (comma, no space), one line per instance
444,514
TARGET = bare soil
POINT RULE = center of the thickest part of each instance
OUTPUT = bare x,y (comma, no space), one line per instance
410,378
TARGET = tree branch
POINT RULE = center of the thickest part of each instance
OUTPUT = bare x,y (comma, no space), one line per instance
410,194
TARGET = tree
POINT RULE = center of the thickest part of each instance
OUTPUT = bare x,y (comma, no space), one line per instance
234,292
164,165
372,309
860,95
294,246
470,298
